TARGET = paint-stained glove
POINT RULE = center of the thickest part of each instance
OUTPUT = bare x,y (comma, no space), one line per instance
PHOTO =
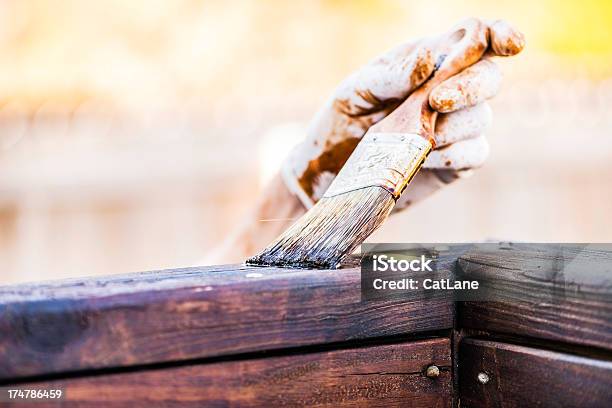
371,93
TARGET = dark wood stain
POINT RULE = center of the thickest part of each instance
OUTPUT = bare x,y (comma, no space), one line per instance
529,377
182,314
561,295
381,376
45,326
172,338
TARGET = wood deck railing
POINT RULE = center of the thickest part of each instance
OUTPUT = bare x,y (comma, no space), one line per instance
245,336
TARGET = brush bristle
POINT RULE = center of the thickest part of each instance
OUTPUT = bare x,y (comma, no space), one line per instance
329,231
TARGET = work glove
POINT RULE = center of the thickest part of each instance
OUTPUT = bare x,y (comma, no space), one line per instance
375,90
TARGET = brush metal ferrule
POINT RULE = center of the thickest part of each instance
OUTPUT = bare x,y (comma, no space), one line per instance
387,160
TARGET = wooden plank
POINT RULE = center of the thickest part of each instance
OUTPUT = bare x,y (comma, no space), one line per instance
521,376
193,313
562,294
385,376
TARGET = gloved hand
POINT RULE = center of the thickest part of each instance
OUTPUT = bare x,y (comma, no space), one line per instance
372,92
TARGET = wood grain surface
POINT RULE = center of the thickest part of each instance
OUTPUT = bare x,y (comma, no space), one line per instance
382,376
182,314
561,293
528,377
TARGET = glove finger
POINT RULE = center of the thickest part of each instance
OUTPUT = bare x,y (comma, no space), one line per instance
465,154
505,40
463,124
399,72
384,83
470,87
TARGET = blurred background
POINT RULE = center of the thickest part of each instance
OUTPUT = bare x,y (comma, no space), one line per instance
134,135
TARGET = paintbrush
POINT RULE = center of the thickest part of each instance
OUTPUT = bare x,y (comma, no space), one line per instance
365,190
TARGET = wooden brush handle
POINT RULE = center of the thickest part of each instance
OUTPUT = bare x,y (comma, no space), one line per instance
458,49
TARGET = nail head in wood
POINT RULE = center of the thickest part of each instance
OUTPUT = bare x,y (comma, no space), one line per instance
432,371
483,378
